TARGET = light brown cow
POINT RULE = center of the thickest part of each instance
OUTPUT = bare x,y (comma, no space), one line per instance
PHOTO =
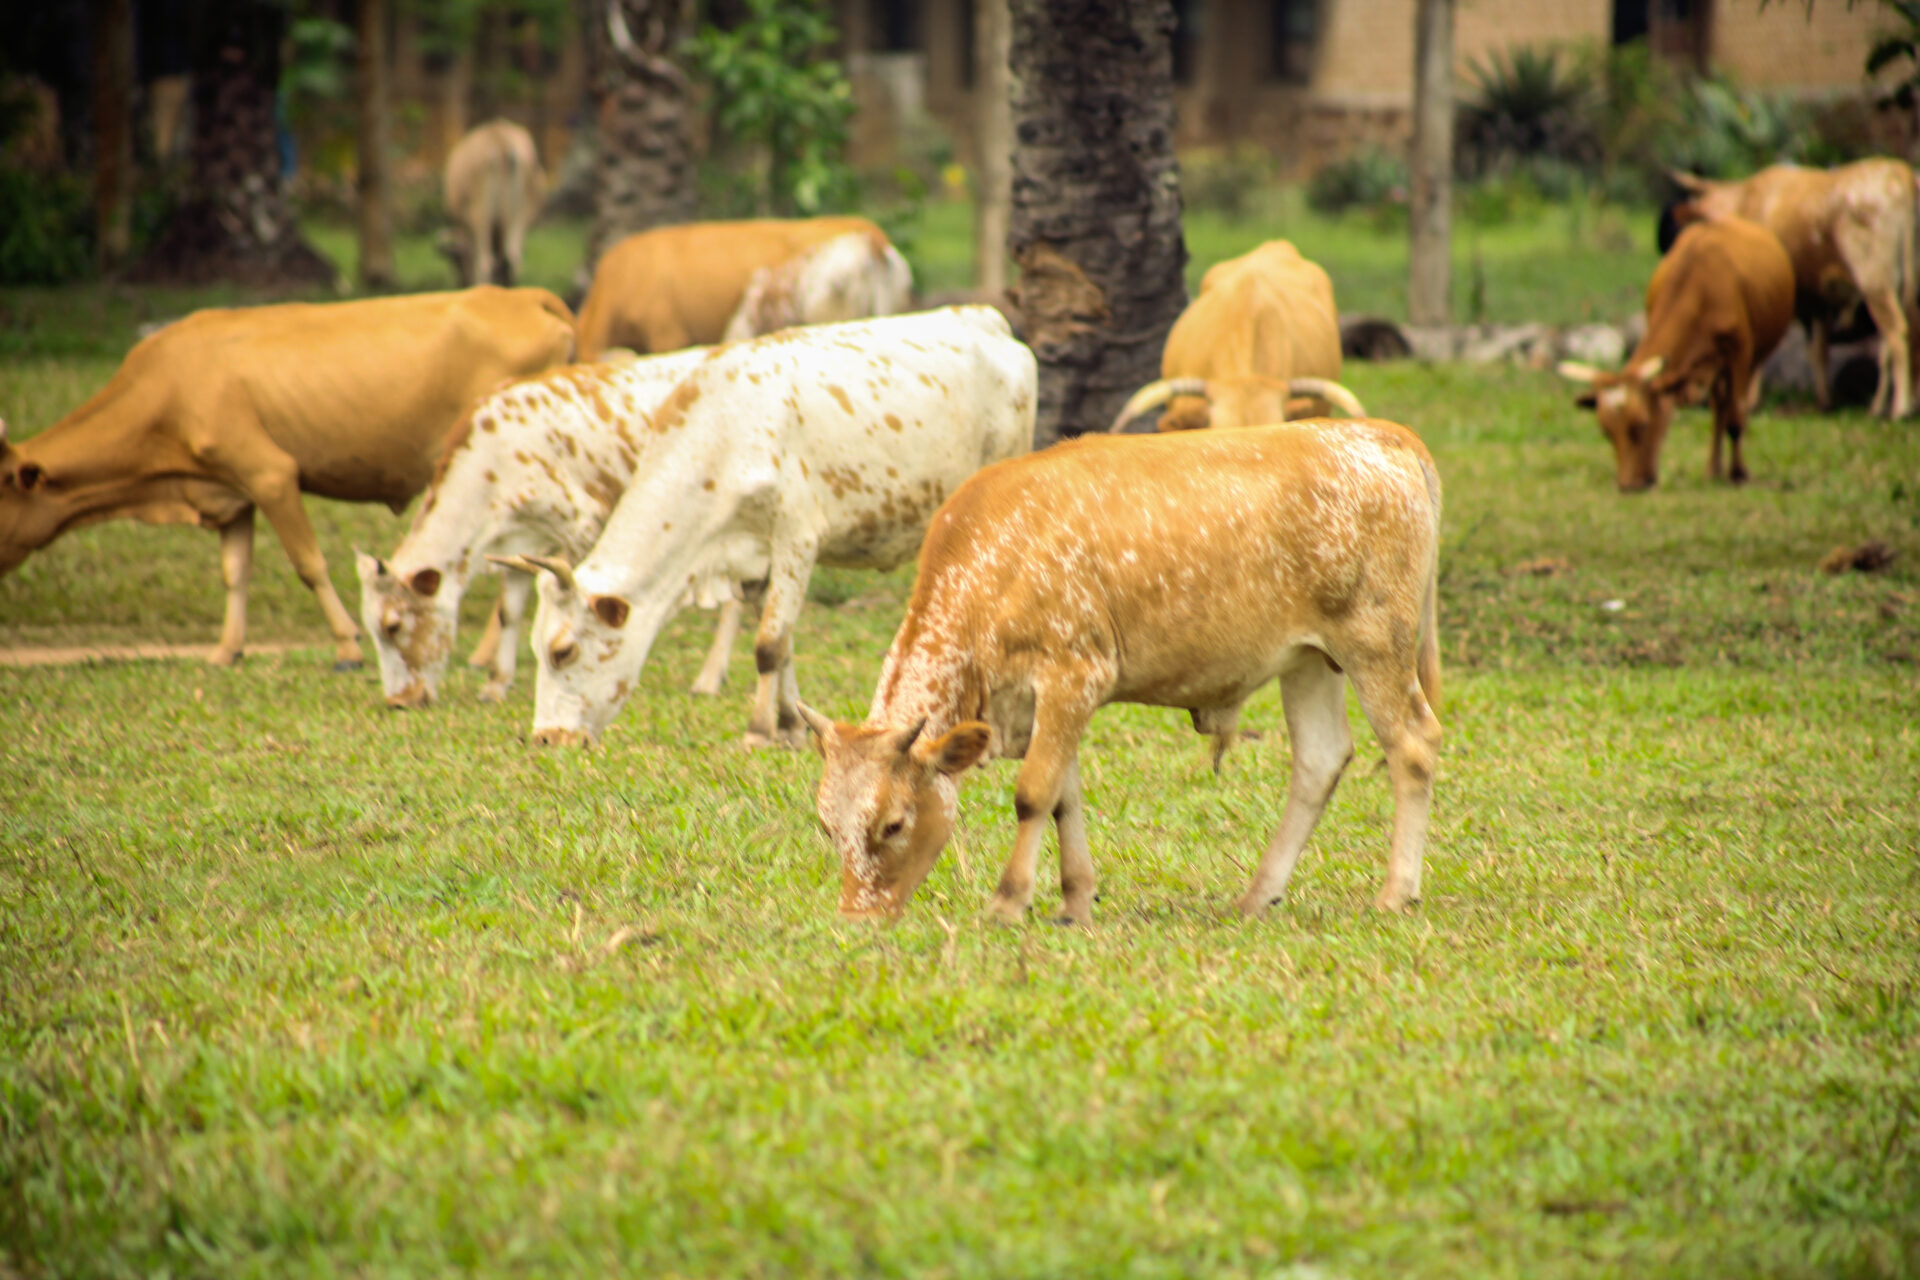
1718,304
1263,331
1856,223
1176,571
675,287
228,410
494,186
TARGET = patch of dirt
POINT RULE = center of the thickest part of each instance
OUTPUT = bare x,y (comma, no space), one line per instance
75,655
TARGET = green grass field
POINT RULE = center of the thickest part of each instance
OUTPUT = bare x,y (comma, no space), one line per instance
294,985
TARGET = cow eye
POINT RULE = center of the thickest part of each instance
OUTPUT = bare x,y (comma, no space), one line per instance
892,829
562,654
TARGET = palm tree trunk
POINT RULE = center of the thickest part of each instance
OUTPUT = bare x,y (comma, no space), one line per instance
1096,201
236,223
643,169
1430,173
993,161
113,129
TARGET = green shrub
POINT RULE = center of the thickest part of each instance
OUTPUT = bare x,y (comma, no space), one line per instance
1225,180
1732,131
1367,179
46,229
1526,103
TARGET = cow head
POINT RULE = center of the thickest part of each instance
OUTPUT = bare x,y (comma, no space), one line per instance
412,618
588,655
887,799
30,515
1635,407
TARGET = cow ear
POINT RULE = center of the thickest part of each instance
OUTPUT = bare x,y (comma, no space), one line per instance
370,568
1587,400
956,750
611,610
425,583
29,476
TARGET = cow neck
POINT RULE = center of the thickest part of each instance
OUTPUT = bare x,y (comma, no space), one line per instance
929,674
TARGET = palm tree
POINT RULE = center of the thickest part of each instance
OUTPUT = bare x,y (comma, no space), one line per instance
1430,171
643,172
1096,201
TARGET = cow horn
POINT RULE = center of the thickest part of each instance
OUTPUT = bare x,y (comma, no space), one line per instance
555,565
902,740
1155,394
3,431
1574,371
817,722
1330,391
1649,369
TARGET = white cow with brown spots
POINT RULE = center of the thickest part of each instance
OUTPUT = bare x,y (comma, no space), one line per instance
534,470
831,445
1177,571
850,277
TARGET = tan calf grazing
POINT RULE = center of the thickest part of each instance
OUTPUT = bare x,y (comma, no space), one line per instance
675,287
226,411
1176,571
1260,340
494,186
1718,304
1854,223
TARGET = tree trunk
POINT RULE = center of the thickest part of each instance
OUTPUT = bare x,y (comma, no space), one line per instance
993,125
1096,201
373,128
236,223
643,169
113,129
1430,167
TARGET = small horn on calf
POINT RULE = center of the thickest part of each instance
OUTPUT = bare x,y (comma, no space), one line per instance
555,565
1155,394
1330,391
1574,371
817,722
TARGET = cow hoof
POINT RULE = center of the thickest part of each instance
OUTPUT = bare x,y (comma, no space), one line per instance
348,664
225,657
494,693
1395,900
1005,911
1253,908
705,689
1069,922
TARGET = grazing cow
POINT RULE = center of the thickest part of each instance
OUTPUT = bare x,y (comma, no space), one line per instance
1717,305
675,287
1847,230
1183,571
228,410
1263,329
494,187
849,277
831,444
534,470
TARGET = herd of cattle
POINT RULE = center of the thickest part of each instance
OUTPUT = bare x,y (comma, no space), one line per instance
754,398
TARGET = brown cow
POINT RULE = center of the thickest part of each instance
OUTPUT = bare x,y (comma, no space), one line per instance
494,186
1262,329
1174,571
675,287
1853,225
1717,305
232,409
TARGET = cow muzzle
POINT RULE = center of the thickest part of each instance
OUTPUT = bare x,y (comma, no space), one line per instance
560,738
412,698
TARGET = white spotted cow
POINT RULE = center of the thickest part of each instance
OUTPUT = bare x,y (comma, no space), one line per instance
849,277
830,445
534,470
1183,570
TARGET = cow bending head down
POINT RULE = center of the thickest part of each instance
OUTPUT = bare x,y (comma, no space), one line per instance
414,625
1635,408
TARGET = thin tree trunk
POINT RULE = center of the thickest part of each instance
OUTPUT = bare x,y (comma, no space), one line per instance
374,127
643,168
993,124
1430,167
113,129
1096,201
236,223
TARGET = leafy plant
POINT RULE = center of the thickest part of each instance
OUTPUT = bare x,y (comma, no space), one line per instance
780,106
1900,45
1525,103
1733,131
1369,178
46,228
1225,180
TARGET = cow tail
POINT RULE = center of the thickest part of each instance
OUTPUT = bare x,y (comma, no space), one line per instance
1429,657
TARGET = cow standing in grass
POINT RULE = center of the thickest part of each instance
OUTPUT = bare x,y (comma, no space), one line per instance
226,411
534,470
849,277
826,445
1177,571
494,187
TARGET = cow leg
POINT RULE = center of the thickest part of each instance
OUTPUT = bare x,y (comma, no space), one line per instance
713,672
1038,795
271,479
1077,881
488,650
1314,698
513,248
483,259
1730,417
1895,356
509,614
773,719
236,571
1817,337
1410,734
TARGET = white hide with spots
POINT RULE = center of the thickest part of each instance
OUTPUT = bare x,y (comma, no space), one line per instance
536,470
1183,570
849,277
832,444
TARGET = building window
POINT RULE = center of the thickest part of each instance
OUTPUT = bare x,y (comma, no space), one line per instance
1290,55
1189,17
896,26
